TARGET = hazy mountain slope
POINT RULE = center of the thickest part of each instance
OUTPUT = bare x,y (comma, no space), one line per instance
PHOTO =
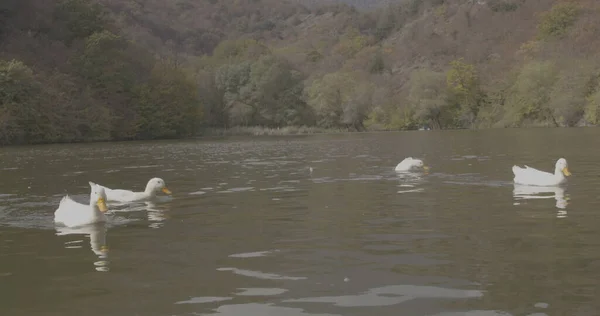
77,70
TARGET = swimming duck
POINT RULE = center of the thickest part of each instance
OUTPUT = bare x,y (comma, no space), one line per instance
532,176
154,186
410,163
74,214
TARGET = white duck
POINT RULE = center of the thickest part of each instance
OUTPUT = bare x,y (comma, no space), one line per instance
154,186
410,163
532,176
73,214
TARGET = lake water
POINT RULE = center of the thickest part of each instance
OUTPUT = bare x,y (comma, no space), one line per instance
250,231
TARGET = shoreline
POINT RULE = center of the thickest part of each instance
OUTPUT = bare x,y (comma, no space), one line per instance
209,133
216,133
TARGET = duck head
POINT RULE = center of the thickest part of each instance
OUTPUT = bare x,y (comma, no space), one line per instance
98,197
156,185
562,167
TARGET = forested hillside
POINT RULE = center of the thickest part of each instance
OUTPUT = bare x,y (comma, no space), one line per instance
84,70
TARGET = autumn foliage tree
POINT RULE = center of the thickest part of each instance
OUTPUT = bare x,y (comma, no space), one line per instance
464,91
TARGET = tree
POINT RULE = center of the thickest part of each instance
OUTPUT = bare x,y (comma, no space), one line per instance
339,100
351,43
112,67
265,92
428,98
388,112
386,22
104,64
529,96
357,106
82,18
326,98
232,51
214,109
167,105
573,84
592,108
274,90
23,118
592,100
464,90
8,8
377,64
228,82
557,20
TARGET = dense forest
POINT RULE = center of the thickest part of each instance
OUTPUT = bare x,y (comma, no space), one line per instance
88,70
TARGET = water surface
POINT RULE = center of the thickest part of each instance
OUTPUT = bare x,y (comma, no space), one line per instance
250,230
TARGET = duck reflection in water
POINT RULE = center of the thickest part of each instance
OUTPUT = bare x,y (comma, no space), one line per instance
156,213
97,235
524,192
409,181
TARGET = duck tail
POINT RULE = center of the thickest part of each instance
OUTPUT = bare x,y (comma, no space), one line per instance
515,169
64,199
